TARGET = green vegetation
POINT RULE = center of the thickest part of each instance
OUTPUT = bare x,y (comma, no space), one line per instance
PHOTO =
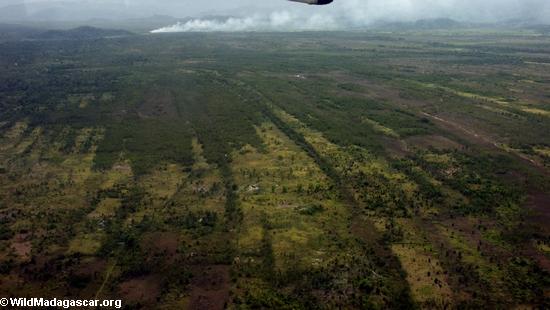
289,171
145,144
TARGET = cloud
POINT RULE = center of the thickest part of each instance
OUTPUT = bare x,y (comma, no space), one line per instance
367,11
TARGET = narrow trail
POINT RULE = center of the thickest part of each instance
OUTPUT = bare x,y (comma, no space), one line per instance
107,277
537,200
487,141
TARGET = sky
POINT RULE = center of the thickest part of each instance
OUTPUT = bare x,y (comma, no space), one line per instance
252,15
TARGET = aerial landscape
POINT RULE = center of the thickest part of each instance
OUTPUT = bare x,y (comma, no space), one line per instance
272,162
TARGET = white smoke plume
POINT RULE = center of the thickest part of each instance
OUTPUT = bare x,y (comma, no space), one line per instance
281,15
250,15
276,21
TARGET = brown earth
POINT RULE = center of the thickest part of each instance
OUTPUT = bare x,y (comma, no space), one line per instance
22,249
92,267
209,289
162,243
433,141
396,148
539,203
142,290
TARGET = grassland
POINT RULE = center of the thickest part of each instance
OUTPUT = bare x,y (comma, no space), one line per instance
288,171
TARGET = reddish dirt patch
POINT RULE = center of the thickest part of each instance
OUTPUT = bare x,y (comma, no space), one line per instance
10,284
87,276
22,247
537,256
124,168
92,267
395,148
364,229
209,287
463,132
539,203
163,244
142,290
433,141
43,264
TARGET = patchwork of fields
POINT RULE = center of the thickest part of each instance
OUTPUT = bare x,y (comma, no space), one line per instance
286,171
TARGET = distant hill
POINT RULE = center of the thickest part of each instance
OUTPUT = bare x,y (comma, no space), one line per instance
439,23
422,24
80,33
9,32
136,25
61,11
16,15
64,14
542,29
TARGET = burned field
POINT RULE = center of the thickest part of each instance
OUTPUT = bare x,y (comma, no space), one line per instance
288,171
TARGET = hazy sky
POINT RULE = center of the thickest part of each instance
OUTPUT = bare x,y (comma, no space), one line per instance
265,13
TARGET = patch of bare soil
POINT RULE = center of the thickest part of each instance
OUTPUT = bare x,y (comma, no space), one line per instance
433,141
122,167
140,291
163,244
209,287
10,284
539,203
396,148
537,256
364,229
92,267
463,132
22,247
286,205
158,104
42,265
86,277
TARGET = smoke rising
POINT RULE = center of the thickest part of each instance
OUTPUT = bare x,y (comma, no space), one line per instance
276,15
276,21
343,14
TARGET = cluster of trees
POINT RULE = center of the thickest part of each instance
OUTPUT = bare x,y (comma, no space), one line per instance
474,177
146,143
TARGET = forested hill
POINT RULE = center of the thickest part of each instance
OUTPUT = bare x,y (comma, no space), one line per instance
11,32
80,33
